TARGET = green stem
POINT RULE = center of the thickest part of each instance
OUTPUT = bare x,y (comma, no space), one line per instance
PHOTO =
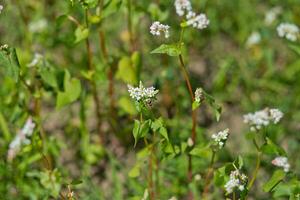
258,161
129,24
194,121
93,82
208,175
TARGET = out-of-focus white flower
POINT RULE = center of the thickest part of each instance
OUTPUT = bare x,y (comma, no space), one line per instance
197,21
4,47
236,180
197,177
281,162
253,39
272,14
220,138
199,96
173,198
37,58
142,93
157,28
182,6
38,26
262,118
146,194
288,30
20,139
1,8
190,142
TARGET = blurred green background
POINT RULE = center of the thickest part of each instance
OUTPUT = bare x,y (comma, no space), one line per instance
244,74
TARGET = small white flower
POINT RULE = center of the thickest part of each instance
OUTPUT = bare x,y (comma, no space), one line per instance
253,39
4,47
221,137
190,142
20,139
36,60
289,31
271,15
199,96
173,198
281,162
157,28
146,194
197,177
276,115
262,118
182,6
38,26
236,180
197,21
142,93
1,8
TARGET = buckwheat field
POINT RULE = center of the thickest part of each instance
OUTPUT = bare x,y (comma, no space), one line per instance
149,99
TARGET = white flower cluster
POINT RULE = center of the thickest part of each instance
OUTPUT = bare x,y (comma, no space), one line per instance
37,58
1,8
221,137
262,118
199,96
281,162
142,93
272,14
236,180
253,39
182,6
197,21
173,198
20,139
157,28
289,31
38,26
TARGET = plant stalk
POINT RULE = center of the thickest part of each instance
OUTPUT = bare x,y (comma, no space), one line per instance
208,175
93,83
194,121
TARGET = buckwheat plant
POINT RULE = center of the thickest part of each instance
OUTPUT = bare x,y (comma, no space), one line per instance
147,128
189,18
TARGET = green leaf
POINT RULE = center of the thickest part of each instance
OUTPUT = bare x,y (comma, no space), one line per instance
169,49
277,176
271,148
110,8
49,76
127,71
204,152
11,62
135,171
157,124
127,105
76,182
89,3
72,90
219,176
140,129
163,131
295,48
212,102
195,105
4,128
81,33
